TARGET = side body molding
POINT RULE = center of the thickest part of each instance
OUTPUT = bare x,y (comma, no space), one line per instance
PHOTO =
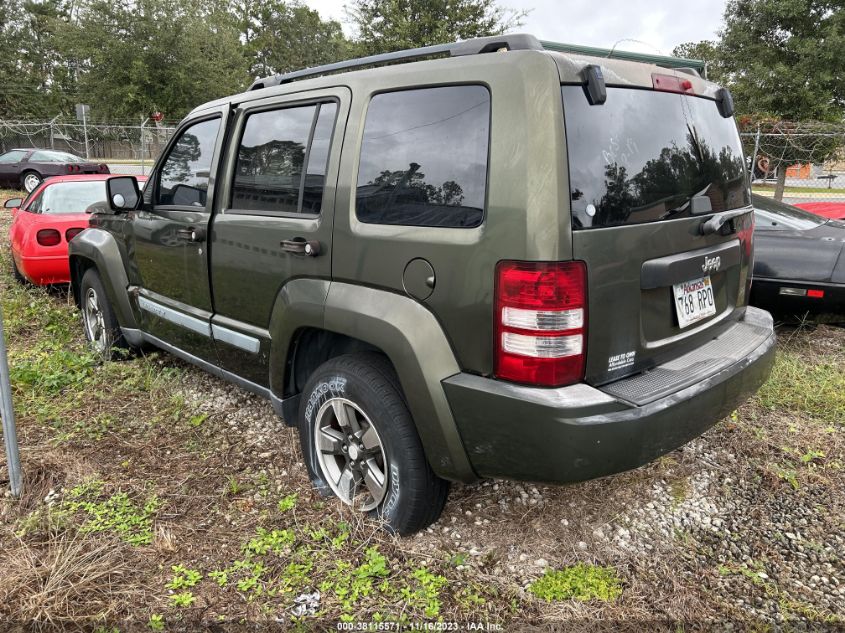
419,350
100,248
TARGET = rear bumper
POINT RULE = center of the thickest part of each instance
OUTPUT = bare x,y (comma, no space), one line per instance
766,293
582,432
45,270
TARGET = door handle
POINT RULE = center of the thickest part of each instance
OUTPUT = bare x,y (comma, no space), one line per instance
191,234
301,246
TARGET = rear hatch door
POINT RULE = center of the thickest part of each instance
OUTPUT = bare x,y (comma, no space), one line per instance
660,211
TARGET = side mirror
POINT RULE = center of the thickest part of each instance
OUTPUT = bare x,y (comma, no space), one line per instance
123,193
13,203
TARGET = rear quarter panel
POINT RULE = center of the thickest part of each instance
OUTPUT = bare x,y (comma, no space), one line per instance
527,188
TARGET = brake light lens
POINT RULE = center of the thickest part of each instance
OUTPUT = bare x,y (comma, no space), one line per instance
671,83
815,294
48,237
541,310
72,233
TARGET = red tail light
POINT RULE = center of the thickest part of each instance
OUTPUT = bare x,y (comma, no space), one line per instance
541,317
72,233
670,83
815,294
48,237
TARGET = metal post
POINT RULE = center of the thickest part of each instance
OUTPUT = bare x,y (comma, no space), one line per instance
144,145
10,434
52,134
85,131
754,158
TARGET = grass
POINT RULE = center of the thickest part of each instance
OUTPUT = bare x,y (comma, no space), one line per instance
810,387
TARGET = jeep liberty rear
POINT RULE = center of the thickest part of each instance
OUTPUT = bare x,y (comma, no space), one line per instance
502,261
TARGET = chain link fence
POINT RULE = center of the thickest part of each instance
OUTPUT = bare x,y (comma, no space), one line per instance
812,153
126,148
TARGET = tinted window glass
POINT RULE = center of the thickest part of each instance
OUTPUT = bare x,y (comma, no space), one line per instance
72,197
12,157
318,159
642,155
424,157
273,150
184,176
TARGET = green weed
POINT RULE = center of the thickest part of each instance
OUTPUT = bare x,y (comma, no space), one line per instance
116,513
578,582
183,577
184,599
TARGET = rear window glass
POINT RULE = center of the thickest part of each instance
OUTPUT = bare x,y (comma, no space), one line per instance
72,197
54,157
642,155
424,158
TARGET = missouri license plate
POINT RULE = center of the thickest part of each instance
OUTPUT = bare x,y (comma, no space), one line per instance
694,300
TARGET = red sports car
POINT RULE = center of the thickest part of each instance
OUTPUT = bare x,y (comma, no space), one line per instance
832,210
46,221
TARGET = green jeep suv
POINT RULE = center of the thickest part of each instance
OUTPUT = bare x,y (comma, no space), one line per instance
482,259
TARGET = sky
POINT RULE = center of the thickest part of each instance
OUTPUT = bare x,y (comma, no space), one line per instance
657,25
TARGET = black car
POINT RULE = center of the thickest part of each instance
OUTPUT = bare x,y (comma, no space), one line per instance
799,259
26,168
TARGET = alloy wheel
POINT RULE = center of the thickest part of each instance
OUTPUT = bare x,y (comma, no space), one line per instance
351,454
95,325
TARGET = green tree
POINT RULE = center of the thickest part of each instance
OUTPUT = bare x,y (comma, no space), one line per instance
783,59
283,36
390,25
707,51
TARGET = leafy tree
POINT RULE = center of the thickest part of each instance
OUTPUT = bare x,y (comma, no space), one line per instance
784,60
282,36
138,56
390,25
707,51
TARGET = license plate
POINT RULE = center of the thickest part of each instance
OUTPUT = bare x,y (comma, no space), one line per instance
694,301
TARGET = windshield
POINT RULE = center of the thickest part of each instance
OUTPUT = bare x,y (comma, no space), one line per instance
771,214
643,154
72,197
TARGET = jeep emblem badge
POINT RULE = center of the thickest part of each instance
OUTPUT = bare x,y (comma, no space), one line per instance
711,264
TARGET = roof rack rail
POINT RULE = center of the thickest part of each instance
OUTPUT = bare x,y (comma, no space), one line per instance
495,43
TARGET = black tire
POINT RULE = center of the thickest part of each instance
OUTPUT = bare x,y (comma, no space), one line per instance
111,337
31,175
17,273
414,496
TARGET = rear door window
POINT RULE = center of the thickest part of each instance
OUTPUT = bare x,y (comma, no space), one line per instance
424,157
282,157
643,154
